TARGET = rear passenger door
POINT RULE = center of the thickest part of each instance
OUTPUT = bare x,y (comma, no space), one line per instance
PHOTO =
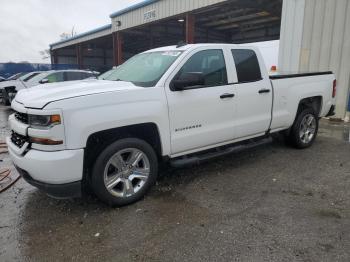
253,94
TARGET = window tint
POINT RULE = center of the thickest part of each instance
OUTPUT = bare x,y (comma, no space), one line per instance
211,63
72,76
55,77
247,65
30,77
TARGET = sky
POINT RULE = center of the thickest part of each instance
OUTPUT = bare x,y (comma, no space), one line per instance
29,26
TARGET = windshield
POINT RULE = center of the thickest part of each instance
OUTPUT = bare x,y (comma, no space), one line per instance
143,69
16,76
38,77
27,77
105,75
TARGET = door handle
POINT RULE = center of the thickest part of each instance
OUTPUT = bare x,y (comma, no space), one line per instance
262,91
227,96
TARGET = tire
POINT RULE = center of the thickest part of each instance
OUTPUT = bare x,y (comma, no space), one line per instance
124,172
5,98
11,96
304,130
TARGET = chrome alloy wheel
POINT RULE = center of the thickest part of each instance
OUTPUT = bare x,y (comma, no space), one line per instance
126,172
307,128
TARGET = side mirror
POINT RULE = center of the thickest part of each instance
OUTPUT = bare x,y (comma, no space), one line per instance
44,81
188,81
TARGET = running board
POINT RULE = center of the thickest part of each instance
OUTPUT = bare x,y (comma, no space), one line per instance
197,159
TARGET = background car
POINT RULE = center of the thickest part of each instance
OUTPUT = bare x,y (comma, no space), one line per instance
15,82
9,90
16,76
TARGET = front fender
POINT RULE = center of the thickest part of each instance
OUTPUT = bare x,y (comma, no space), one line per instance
84,116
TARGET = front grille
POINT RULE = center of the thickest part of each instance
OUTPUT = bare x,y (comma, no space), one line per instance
18,139
22,117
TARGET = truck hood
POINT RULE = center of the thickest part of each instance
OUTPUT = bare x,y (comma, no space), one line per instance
39,96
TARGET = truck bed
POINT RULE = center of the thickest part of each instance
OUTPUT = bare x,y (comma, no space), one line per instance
292,75
290,89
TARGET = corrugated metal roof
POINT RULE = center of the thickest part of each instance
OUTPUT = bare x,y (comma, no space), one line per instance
99,29
133,7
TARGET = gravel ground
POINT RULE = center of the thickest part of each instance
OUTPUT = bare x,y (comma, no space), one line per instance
271,203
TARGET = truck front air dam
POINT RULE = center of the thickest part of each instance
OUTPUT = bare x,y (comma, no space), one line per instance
69,190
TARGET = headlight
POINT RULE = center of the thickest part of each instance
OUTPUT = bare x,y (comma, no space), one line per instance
44,121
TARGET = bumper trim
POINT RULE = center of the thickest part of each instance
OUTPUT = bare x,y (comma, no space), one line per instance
18,151
70,190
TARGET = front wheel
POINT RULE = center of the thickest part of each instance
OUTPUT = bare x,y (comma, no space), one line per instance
124,172
304,130
11,96
5,98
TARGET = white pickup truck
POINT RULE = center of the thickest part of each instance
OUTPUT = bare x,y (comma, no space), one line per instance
180,104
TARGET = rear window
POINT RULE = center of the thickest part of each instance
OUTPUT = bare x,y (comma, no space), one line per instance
247,65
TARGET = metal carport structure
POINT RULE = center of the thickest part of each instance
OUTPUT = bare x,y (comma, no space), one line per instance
154,23
315,34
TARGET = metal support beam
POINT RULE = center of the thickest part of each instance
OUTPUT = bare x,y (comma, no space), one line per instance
54,57
117,48
79,55
151,38
104,57
190,28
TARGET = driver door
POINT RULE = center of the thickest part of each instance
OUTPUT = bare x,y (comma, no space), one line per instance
202,116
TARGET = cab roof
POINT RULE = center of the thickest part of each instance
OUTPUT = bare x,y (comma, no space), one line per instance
186,47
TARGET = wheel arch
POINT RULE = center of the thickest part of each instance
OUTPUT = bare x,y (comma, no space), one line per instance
97,142
314,102
7,88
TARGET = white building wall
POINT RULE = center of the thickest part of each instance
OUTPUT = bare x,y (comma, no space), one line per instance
163,9
315,36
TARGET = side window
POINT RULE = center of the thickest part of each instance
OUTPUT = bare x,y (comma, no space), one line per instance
210,64
30,77
55,77
247,65
71,76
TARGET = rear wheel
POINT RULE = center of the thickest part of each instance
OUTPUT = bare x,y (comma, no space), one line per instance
124,172
304,130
